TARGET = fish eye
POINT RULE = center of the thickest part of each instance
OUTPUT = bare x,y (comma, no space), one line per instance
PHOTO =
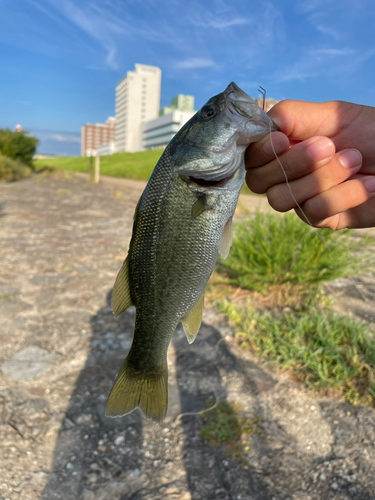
208,112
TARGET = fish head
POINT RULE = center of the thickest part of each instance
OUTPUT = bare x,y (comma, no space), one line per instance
210,148
251,121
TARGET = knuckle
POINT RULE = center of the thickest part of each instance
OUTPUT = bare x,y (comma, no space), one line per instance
255,182
278,198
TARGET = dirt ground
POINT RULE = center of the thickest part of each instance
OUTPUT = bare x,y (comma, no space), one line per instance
62,242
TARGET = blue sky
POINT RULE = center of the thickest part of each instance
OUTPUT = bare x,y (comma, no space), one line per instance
61,59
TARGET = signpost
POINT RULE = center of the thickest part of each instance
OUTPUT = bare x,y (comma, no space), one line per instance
97,169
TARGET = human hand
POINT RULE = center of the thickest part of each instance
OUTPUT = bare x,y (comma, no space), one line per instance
328,153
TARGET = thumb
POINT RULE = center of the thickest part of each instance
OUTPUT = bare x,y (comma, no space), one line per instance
300,120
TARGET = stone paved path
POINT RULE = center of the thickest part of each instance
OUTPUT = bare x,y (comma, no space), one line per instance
62,241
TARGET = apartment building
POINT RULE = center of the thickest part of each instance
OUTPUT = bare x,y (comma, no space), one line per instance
157,133
137,101
93,136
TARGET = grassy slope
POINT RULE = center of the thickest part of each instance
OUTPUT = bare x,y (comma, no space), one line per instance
127,165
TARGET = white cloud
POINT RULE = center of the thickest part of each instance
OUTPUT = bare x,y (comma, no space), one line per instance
97,23
47,135
328,30
220,23
332,52
63,138
315,63
194,63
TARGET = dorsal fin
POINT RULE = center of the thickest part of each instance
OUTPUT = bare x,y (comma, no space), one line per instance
192,321
121,299
226,239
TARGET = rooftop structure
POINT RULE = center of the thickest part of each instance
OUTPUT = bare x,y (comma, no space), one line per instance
180,102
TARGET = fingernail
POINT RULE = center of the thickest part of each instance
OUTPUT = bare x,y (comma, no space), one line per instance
278,145
350,159
370,184
320,149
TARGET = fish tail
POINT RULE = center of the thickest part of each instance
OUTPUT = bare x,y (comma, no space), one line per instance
133,389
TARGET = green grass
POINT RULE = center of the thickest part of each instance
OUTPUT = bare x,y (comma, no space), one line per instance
225,425
323,349
271,250
125,165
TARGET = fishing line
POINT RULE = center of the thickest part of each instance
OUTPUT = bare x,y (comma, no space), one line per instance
217,397
365,299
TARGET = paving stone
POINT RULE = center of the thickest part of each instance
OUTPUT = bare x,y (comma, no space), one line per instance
29,363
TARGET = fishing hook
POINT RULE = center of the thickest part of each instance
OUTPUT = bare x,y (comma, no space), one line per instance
262,91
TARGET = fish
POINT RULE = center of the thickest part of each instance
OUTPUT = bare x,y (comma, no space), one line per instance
182,221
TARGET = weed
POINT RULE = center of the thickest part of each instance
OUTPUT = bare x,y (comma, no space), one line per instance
270,250
323,349
12,170
225,425
7,296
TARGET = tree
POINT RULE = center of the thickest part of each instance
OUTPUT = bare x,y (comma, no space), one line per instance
18,145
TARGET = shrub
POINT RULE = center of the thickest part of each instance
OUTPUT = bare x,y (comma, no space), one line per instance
12,170
18,145
273,250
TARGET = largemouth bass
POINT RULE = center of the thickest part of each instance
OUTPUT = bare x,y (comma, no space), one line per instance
182,221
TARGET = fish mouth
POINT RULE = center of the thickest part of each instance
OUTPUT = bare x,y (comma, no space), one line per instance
237,100
240,104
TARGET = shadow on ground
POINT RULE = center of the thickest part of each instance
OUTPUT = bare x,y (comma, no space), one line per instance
90,448
97,458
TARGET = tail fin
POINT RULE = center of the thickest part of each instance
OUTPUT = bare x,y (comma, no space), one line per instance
132,390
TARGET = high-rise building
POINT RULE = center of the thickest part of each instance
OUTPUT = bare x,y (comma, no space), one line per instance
137,101
181,103
93,136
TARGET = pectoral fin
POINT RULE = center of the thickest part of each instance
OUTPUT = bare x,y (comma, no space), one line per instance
226,239
192,321
200,206
121,299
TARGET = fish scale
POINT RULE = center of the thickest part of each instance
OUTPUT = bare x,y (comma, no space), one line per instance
182,221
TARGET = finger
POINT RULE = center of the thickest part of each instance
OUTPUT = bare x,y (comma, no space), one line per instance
300,120
345,205
343,166
297,162
262,152
358,217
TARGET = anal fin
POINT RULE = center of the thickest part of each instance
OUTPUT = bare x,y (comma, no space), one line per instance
226,239
193,319
121,299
